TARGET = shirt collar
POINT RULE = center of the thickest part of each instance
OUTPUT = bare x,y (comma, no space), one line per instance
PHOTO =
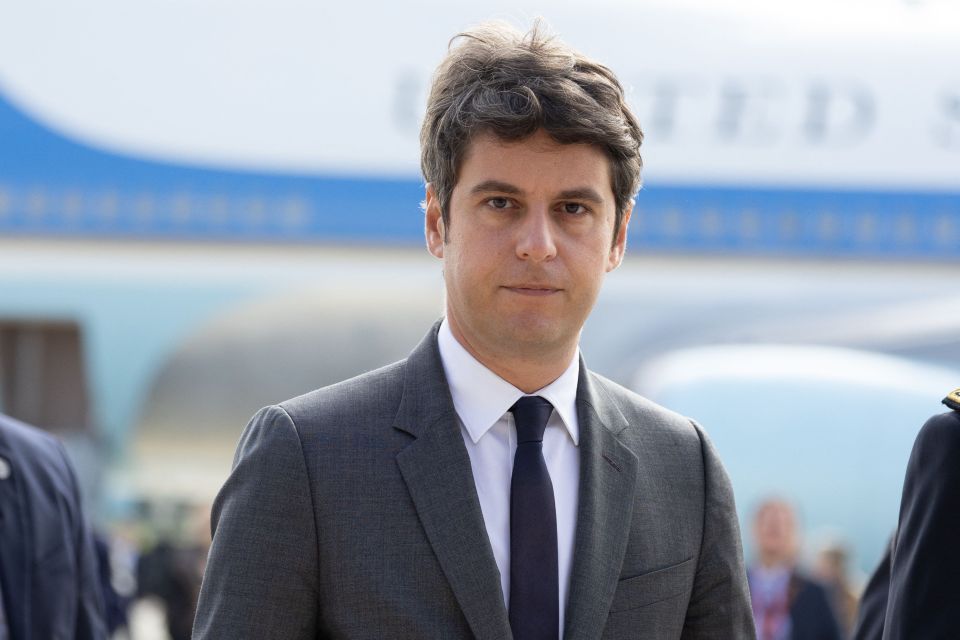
481,397
770,579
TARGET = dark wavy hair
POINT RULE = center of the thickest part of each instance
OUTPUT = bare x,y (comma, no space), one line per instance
496,79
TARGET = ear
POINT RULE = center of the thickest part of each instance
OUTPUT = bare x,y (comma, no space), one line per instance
619,247
433,222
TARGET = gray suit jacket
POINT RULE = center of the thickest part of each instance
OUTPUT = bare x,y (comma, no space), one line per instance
351,512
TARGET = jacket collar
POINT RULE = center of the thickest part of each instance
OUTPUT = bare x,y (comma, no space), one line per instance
436,469
608,482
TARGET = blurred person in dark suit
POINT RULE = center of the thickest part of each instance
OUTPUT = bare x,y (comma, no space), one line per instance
832,570
915,592
172,572
115,604
48,568
787,605
172,569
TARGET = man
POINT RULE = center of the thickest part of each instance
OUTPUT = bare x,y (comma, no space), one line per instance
48,569
831,569
786,604
489,486
915,590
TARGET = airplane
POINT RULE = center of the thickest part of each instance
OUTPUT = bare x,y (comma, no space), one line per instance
183,196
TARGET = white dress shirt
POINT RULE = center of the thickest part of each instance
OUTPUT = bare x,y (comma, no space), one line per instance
482,400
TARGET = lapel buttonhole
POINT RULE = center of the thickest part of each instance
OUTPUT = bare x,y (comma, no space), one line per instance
613,463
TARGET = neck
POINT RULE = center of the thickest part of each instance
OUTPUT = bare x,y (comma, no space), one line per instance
774,562
527,379
528,372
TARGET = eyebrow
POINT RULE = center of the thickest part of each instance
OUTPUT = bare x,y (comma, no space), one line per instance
495,185
581,193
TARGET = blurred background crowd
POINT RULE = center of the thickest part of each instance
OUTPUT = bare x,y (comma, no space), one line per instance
151,570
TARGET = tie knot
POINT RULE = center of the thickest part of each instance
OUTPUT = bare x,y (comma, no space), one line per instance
530,413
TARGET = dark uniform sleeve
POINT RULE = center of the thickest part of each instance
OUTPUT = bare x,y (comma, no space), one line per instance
873,604
925,564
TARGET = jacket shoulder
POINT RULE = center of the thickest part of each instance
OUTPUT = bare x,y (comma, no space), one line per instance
941,431
644,414
936,450
371,394
39,452
659,437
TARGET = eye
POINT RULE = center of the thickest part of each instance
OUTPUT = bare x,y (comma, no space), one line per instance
499,203
574,208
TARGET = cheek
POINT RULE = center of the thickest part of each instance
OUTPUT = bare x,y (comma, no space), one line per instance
594,262
476,255
463,272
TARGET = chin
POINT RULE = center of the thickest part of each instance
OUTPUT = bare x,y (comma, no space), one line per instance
538,335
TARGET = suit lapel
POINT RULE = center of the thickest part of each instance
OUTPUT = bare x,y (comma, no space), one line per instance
15,553
436,469
608,480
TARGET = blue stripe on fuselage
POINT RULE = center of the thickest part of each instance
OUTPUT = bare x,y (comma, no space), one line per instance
53,186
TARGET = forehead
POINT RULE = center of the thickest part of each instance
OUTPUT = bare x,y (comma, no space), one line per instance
775,512
537,162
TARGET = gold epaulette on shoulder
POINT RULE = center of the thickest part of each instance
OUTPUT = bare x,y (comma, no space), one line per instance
953,400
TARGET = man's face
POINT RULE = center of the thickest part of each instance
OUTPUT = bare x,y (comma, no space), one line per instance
775,531
529,242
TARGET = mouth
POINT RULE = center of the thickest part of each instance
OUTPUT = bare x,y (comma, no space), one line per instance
532,289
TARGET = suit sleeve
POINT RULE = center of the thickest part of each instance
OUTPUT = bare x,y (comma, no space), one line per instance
873,603
261,575
924,590
90,622
720,603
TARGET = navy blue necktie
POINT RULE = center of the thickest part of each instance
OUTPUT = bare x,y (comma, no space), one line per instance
534,599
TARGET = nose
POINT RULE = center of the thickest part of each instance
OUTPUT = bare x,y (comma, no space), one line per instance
536,236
